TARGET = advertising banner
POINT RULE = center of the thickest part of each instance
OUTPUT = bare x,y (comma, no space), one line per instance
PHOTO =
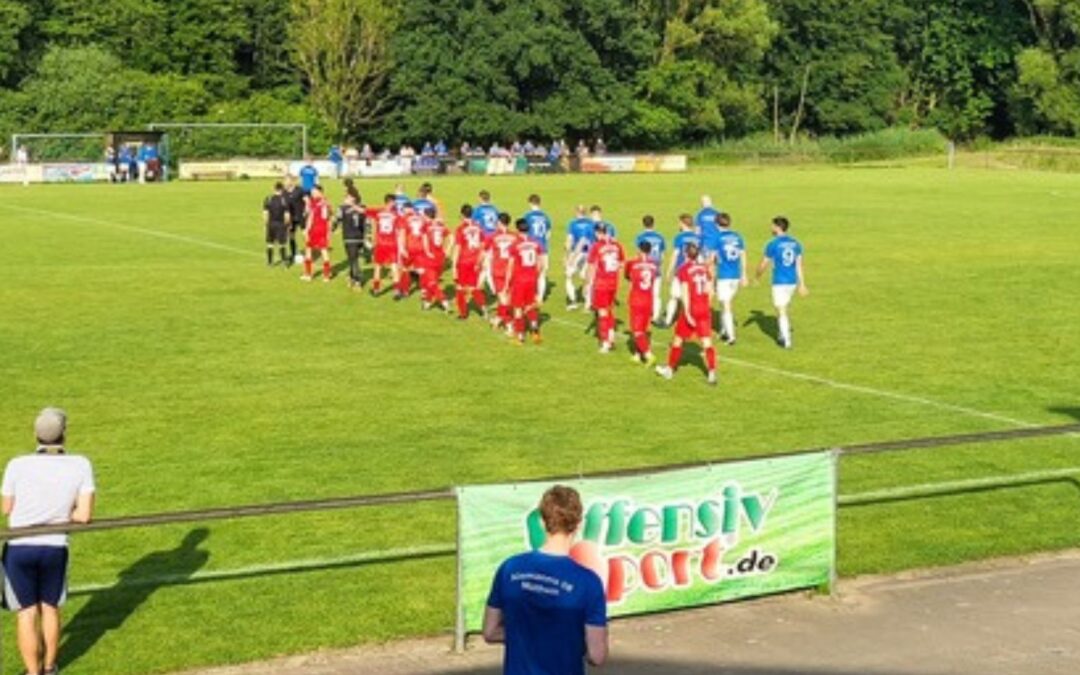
74,173
668,540
608,164
237,168
21,173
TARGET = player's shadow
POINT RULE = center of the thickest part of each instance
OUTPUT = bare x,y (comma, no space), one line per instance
693,357
1071,411
109,608
766,323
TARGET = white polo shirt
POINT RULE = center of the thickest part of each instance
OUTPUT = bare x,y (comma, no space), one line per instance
45,487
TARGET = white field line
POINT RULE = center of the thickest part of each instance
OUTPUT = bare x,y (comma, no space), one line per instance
859,389
855,388
169,236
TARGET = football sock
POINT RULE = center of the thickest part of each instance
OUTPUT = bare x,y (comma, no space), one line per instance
519,324
404,282
542,287
269,255
785,328
376,285
729,324
673,357
479,299
307,266
326,269
642,342
503,314
710,358
462,306
571,292
292,249
534,319
283,258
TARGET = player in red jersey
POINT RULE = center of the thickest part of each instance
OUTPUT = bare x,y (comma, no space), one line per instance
643,274
605,262
318,233
527,263
695,320
385,254
411,249
497,263
436,234
467,255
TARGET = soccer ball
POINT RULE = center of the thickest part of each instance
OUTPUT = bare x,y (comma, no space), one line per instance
298,258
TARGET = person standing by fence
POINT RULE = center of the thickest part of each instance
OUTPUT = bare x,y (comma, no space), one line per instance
48,487
550,611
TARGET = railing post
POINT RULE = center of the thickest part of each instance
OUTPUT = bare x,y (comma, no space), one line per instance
459,608
836,454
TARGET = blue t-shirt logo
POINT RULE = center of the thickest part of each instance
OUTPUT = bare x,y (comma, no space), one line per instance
784,251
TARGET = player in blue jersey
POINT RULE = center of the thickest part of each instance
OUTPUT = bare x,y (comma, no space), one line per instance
687,235
549,610
785,254
485,214
539,231
708,228
730,261
580,236
597,215
425,200
309,176
401,199
657,246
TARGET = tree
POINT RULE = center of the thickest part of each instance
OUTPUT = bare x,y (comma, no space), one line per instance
342,48
1047,92
14,19
855,78
705,82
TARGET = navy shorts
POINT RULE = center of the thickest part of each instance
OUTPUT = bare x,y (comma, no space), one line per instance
35,575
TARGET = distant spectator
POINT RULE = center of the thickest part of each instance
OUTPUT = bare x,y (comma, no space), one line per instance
337,159
48,487
110,162
528,148
22,155
309,177
367,154
140,161
427,150
124,159
465,149
153,162
351,153
601,147
582,149
440,148
549,611
516,149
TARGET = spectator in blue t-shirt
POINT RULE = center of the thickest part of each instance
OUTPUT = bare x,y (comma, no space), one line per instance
549,610
337,159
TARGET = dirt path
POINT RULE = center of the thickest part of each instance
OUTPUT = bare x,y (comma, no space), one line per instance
1010,617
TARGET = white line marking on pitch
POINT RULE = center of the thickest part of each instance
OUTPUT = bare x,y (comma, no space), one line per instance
870,391
131,228
859,389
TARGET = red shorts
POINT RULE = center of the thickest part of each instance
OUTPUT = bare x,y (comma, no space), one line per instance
498,282
640,315
468,276
702,328
523,293
385,255
318,238
603,298
430,275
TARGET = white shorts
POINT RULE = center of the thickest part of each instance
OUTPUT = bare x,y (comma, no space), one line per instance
676,289
577,264
727,289
782,295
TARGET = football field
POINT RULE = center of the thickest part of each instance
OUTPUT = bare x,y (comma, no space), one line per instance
195,376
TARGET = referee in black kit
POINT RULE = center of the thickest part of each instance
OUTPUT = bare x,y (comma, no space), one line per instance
294,195
352,219
275,213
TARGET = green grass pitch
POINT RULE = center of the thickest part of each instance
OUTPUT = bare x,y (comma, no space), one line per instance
941,302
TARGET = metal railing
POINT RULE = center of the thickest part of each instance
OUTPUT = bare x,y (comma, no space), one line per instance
448,493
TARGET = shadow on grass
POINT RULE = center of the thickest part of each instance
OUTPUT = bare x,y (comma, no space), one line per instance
766,323
109,608
659,667
1071,411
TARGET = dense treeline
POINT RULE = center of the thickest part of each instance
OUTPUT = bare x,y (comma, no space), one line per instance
640,73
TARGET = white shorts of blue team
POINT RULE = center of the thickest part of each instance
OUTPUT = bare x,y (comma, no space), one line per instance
727,289
577,264
675,290
782,295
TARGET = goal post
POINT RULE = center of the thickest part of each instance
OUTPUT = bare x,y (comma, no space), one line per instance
60,147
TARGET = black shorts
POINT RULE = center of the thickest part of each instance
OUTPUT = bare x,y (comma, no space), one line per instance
275,233
34,575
